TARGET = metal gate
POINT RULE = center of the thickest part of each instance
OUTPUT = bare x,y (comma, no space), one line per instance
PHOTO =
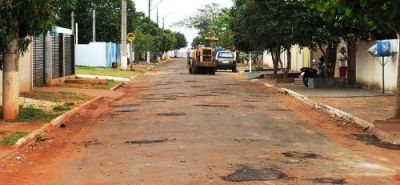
38,61
56,56
69,63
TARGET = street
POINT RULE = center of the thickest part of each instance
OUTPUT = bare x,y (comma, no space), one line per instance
172,127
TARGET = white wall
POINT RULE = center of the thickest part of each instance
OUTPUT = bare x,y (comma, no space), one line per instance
92,54
369,71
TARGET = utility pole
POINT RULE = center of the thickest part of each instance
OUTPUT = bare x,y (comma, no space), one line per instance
163,21
76,34
149,9
148,52
94,25
123,61
73,22
157,18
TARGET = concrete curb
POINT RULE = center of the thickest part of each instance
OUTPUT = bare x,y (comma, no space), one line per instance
118,86
55,122
327,109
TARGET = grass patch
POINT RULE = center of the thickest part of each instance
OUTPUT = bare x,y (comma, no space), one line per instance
30,114
57,96
108,86
13,138
103,71
65,107
40,137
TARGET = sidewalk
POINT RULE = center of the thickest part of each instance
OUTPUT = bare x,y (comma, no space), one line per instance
360,106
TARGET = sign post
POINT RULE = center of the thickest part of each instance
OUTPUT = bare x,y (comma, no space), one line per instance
131,37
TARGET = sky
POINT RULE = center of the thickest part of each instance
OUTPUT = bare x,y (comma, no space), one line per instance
176,10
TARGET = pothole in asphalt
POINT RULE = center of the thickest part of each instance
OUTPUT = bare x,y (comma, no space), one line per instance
127,110
326,180
231,84
198,86
127,105
211,105
249,174
190,81
278,109
300,155
151,141
373,140
90,143
171,114
204,95
252,101
162,84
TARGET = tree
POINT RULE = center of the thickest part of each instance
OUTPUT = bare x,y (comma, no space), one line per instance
19,20
108,19
211,20
377,13
198,40
180,42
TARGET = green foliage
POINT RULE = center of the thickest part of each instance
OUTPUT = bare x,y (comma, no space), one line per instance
13,138
20,19
65,107
211,20
108,19
181,41
29,114
103,71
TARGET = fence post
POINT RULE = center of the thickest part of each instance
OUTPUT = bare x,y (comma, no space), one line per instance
61,48
48,64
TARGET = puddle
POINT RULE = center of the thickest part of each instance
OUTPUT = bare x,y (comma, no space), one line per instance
329,181
147,141
210,105
171,114
373,140
249,174
300,155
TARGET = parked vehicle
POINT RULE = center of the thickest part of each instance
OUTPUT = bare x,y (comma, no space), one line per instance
307,73
202,59
226,60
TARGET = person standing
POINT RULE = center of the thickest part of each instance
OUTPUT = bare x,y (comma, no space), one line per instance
343,63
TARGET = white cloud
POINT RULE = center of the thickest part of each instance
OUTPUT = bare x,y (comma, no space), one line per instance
176,10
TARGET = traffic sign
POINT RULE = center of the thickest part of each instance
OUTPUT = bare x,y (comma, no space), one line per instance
131,37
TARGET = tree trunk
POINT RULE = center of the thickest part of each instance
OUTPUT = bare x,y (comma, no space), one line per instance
397,106
10,82
331,60
275,63
288,64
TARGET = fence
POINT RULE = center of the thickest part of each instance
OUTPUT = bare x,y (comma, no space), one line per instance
52,58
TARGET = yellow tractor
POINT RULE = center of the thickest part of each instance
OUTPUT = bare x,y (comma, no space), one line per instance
202,58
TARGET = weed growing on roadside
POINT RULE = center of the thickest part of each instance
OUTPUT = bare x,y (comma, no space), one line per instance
40,137
65,107
30,114
13,138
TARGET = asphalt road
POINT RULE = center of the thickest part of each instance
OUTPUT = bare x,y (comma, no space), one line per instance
175,128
